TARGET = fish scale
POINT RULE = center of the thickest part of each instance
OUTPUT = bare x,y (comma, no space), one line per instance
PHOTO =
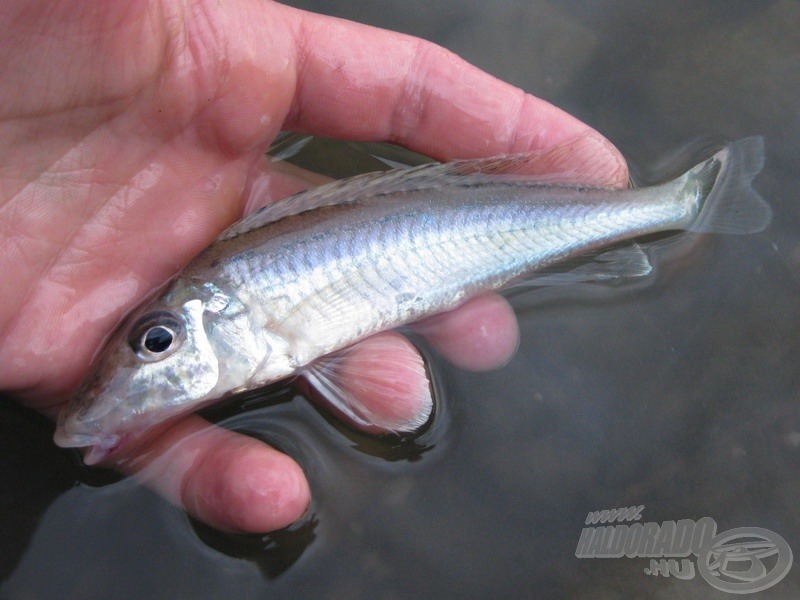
479,241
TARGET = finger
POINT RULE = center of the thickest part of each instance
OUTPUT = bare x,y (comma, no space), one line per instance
480,335
225,479
358,82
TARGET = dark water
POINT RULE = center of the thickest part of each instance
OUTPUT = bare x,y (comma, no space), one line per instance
681,393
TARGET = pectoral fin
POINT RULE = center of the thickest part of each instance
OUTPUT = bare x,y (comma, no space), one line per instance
379,382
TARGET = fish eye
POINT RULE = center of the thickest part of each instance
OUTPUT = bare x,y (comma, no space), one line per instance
155,335
158,339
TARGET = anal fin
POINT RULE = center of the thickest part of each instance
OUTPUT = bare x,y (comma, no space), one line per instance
611,265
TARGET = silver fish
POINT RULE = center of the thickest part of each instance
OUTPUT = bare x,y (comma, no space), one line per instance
289,286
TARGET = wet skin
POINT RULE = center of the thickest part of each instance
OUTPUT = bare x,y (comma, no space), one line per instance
132,134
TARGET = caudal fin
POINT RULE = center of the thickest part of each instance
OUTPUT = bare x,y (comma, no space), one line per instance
731,204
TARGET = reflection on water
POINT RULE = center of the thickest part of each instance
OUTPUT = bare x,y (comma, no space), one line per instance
678,393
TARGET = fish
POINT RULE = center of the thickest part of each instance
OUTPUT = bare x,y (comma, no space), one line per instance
288,288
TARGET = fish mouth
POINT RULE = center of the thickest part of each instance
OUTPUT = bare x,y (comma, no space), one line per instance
100,445
102,449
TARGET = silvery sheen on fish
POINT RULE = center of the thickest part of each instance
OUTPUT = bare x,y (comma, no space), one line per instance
280,292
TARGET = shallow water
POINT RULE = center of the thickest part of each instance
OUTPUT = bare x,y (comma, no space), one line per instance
680,393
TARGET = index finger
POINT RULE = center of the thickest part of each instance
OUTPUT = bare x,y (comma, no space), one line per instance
358,82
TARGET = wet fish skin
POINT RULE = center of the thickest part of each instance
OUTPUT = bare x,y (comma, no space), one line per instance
272,297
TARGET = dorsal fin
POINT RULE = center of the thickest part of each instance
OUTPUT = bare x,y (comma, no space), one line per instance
580,161
288,144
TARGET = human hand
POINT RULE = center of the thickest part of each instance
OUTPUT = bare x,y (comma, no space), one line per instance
132,134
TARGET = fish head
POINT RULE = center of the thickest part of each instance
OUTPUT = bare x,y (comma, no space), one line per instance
158,364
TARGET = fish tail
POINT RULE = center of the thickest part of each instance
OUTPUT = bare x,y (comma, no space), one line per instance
722,188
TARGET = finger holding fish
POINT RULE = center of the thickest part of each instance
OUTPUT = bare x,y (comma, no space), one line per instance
141,197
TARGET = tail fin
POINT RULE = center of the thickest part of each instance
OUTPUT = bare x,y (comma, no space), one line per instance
731,205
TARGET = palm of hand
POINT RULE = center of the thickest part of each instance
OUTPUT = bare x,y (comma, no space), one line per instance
146,158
